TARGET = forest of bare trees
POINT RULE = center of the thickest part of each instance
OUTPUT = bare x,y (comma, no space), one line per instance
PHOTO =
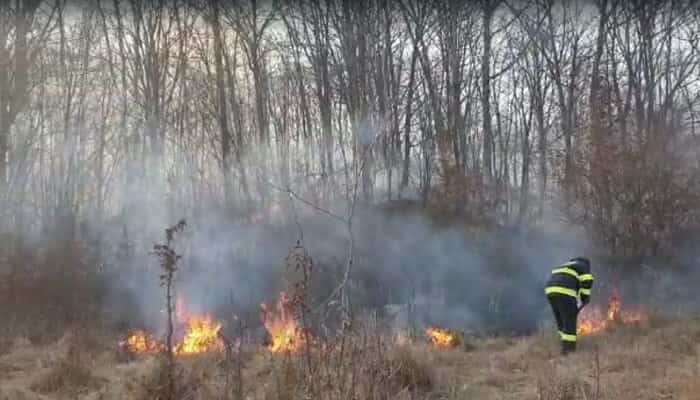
426,161
500,112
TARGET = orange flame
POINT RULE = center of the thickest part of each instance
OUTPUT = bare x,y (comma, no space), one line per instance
201,335
141,342
201,332
285,334
441,337
593,320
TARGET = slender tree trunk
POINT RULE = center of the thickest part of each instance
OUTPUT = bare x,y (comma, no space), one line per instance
4,152
542,151
407,124
222,106
486,88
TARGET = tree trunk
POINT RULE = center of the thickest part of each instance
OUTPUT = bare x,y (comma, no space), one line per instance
222,109
4,152
486,88
407,125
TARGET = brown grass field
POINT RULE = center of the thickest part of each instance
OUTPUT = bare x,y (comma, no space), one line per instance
661,361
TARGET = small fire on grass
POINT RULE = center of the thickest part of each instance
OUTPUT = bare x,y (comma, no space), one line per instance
201,333
197,334
593,320
141,342
442,337
285,335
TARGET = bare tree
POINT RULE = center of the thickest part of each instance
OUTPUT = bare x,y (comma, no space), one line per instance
23,34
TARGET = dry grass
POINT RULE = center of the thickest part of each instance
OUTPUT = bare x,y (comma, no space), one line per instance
354,367
71,372
191,379
660,362
65,376
410,371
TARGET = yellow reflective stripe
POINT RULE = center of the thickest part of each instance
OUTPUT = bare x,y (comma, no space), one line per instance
585,277
587,292
560,290
566,337
566,271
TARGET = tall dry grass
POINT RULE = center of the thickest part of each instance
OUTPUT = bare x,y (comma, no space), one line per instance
662,362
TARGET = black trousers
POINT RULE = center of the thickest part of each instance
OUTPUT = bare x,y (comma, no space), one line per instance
565,311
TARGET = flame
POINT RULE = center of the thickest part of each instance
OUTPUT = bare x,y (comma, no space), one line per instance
201,335
614,307
201,332
594,320
441,337
285,334
141,342
591,321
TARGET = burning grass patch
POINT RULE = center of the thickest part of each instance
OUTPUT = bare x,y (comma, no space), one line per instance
444,338
624,363
197,334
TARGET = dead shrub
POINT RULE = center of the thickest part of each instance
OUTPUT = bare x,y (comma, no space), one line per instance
189,381
356,365
48,289
408,371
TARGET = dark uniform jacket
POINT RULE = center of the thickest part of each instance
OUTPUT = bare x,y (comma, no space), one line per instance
572,279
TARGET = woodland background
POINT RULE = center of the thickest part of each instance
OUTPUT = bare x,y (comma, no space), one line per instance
118,118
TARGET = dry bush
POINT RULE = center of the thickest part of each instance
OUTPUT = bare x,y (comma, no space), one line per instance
72,372
191,379
46,289
467,195
355,365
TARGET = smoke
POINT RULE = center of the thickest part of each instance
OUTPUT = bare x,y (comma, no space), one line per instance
473,281
446,274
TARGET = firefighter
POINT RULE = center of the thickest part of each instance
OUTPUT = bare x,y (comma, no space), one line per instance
568,291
